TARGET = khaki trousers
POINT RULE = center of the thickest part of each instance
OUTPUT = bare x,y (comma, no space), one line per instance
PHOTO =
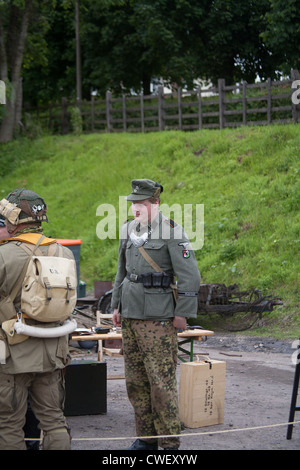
46,394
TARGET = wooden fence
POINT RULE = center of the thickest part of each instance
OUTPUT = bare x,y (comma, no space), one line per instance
218,107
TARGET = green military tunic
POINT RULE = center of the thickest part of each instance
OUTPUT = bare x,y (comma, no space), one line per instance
169,247
149,337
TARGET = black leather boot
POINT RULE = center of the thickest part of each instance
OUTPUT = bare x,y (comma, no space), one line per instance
142,445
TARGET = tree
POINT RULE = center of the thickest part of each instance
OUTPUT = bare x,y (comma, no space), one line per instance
124,45
282,33
127,44
14,22
52,75
234,48
23,25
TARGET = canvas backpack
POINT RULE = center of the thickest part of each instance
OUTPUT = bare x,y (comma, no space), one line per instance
49,284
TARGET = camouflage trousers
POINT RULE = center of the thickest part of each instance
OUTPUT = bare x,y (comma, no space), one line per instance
150,354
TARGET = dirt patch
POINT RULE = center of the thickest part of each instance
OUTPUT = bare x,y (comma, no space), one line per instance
259,381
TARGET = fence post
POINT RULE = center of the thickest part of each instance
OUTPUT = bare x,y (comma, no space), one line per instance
124,113
142,112
295,107
64,116
179,108
221,89
161,120
199,107
108,112
244,103
50,117
269,105
92,113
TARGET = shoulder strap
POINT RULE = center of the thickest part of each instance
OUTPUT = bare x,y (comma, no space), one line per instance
53,249
33,249
149,260
18,284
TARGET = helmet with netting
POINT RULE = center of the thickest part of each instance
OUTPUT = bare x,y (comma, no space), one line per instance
32,207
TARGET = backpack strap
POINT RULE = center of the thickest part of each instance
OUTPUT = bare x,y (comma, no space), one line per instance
18,284
36,247
35,250
52,249
20,279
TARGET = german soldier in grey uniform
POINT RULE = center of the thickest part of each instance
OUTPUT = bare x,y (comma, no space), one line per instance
144,305
30,365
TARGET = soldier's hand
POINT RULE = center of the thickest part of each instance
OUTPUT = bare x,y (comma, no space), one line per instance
179,323
116,317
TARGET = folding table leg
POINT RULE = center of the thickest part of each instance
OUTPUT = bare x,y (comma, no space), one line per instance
293,406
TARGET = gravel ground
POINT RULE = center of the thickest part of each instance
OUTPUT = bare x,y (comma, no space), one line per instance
259,381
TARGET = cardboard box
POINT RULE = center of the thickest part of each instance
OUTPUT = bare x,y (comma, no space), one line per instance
202,393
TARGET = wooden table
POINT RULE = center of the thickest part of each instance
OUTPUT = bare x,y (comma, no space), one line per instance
191,336
184,337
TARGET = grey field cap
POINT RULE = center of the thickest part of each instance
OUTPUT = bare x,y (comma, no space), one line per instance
144,189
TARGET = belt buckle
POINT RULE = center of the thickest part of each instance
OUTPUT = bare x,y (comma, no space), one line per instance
133,277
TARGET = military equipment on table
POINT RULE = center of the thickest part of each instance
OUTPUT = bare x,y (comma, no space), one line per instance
229,301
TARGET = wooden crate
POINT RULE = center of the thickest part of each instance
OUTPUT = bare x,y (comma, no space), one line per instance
202,393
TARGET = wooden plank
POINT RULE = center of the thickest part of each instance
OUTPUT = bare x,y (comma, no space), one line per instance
221,85
142,114
244,103
112,352
108,111
269,105
161,113
124,112
175,103
113,335
195,332
199,108
115,377
179,109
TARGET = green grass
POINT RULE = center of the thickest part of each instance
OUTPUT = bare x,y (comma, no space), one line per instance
247,179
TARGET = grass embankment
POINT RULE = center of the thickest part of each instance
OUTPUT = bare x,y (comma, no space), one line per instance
247,179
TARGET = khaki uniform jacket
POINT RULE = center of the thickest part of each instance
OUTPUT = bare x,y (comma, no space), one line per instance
33,354
169,247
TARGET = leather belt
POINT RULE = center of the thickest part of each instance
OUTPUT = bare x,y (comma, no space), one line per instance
134,277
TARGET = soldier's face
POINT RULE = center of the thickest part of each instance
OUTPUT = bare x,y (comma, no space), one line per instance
3,233
144,211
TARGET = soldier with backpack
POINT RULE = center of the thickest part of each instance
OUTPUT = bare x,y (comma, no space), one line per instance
34,309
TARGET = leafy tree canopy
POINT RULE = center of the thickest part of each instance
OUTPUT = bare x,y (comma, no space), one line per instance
127,43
